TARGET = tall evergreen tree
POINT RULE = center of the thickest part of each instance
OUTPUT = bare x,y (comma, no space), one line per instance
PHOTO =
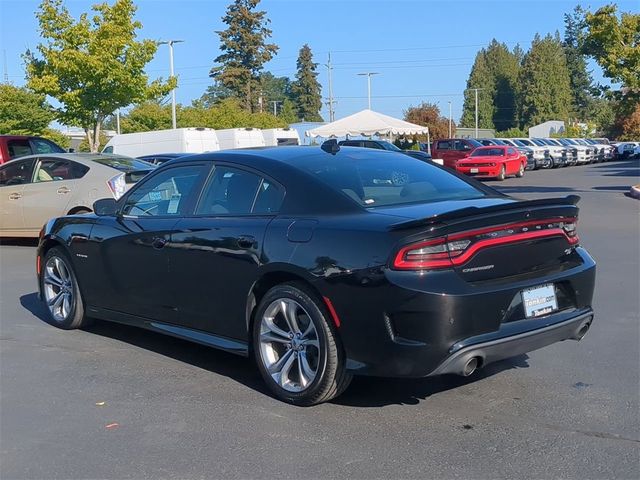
306,89
495,71
579,76
481,78
244,51
545,84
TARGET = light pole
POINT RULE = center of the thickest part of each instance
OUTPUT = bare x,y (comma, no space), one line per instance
275,107
449,119
368,74
173,92
476,90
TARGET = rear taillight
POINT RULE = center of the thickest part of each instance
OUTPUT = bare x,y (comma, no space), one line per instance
456,249
117,185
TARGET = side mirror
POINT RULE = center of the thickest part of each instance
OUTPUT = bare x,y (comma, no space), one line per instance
105,207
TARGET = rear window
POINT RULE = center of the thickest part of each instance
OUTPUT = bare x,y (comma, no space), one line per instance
383,180
124,164
488,152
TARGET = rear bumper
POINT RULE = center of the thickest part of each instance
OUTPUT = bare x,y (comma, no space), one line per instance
487,352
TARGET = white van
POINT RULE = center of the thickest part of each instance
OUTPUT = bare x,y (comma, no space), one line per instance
180,140
231,138
277,137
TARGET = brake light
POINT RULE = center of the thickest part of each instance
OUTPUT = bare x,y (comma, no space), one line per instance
117,185
454,250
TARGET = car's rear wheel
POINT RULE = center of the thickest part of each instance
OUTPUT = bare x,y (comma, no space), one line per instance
520,173
503,173
60,291
297,348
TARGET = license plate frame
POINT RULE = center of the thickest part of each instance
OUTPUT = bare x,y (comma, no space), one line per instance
474,170
539,300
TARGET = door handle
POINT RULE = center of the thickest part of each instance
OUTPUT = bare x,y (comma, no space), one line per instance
64,190
246,241
15,196
158,242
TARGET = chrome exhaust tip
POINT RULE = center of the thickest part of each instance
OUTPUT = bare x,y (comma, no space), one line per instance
582,331
470,366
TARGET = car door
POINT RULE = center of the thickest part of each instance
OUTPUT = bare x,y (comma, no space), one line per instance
216,253
47,196
14,176
129,251
513,161
442,151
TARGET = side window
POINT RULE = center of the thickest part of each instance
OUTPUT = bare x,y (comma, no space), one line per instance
461,145
18,148
164,194
443,145
44,146
373,145
108,149
230,192
511,151
16,172
269,198
52,169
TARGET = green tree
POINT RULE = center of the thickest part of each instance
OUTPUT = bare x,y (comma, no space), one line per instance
544,82
244,52
513,132
614,42
306,89
92,66
146,117
481,78
23,112
288,112
495,72
580,78
428,115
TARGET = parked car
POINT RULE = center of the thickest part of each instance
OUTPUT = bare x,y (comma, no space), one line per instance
36,188
14,146
384,145
161,158
450,150
584,153
604,151
541,153
571,151
526,151
592,152
495,161
288,255
558,154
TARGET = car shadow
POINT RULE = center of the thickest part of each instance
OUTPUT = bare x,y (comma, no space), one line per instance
366,392
222,363
363,392
19,242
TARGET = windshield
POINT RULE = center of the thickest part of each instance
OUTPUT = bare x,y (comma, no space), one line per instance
124,164
389,146
488,152
580,141
377,180
519,143
474,142
552,141
538,142
526,142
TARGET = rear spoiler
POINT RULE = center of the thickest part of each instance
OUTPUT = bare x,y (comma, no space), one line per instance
570,200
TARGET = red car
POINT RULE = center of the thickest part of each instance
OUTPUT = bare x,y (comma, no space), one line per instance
495,161
14,146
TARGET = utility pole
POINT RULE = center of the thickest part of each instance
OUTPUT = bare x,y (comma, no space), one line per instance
331,100
4,61
449,119
173,92
275,107
368,74
476,90
118,121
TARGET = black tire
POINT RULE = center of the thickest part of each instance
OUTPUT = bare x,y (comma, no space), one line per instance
553,163
75,317
503,174
520,173
331,377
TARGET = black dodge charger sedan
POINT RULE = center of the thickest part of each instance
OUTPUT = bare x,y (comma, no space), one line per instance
319,264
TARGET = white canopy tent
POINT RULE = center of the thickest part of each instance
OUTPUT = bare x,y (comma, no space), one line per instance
367,123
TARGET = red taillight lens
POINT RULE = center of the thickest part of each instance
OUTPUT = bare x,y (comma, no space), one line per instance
454,250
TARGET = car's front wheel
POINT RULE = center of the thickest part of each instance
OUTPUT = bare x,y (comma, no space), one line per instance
520,172
297,348
60,291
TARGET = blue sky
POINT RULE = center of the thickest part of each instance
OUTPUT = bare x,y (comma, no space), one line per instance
423,50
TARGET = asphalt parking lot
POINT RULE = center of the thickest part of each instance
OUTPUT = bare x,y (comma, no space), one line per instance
184,411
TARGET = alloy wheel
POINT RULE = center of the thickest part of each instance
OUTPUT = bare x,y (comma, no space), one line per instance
289,345
58,288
